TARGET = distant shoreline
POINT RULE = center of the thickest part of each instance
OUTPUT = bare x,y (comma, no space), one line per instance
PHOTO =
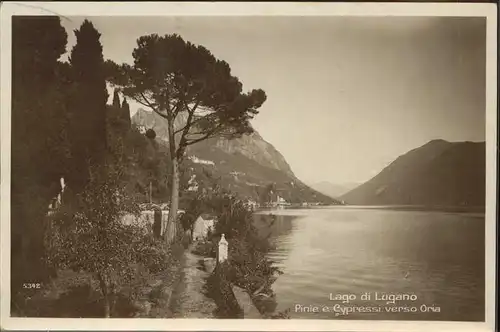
454,209
437,208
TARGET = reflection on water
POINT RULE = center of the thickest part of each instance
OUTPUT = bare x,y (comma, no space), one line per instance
437,257
276,226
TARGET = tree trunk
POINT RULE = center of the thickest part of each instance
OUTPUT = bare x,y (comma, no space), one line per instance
112,297
175,158
171,228
89,295
105,294
107,306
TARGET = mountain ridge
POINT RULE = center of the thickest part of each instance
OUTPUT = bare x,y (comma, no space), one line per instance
248,144
438,173
245,165
333,190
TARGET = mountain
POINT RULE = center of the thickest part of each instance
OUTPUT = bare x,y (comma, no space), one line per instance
332,189
439,173
245,165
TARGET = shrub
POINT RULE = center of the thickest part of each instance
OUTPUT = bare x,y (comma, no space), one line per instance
151,134
205,248
249,267
94,239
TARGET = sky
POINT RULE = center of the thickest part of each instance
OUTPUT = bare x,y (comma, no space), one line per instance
345,95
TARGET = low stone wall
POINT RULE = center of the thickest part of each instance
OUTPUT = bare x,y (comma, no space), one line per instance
222,293
246,303
147,218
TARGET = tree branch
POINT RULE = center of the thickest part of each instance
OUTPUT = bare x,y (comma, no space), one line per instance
151,106
144,101
197,120
185,130
139,101
161,114
192,110
208,135
197,133
170,114
147,101
176,109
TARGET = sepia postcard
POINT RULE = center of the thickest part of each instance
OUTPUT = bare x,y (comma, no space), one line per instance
248,166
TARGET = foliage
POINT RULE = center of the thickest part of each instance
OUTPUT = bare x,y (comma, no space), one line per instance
193,210
249,267
182,81
97,241
171,76
126,113
248,249
88,104
62,127
144,160
149,164
218,288
116,134
150,133
252,178
116,100
205,249
39,138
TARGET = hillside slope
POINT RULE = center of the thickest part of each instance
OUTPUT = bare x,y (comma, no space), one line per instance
439,173
332,189
243,165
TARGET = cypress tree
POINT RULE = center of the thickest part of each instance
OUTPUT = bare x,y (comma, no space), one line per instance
114,126
38,141
88,104
116,100
125,112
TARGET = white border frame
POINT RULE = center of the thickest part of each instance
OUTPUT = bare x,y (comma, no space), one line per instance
247,9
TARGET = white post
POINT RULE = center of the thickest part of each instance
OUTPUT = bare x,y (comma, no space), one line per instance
223,249
63,185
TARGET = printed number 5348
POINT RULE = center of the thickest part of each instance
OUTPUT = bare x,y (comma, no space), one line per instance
32,285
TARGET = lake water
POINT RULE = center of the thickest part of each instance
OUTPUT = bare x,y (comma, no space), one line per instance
432,261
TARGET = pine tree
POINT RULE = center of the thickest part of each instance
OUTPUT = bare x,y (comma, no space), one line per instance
177,79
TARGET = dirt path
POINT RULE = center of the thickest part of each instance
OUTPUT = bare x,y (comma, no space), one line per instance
188,300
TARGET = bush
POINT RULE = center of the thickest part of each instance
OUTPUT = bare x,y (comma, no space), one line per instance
151,134
205,249
249,267
93,238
